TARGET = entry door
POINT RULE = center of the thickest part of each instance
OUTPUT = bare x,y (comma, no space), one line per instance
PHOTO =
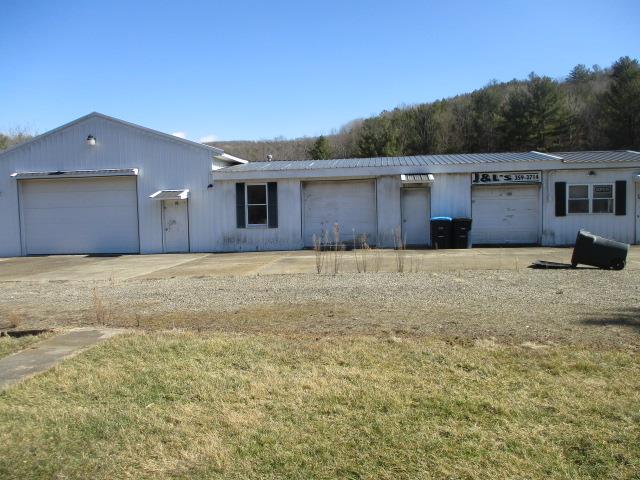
415,216
175,225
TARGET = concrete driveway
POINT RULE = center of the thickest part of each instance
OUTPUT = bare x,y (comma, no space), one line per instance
124,267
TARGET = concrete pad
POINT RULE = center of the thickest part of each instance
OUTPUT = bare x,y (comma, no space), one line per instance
219,264
89,268
125,267
46,354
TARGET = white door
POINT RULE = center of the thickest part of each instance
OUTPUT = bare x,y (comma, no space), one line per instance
350,203
175,226
506,215
79,215
415,216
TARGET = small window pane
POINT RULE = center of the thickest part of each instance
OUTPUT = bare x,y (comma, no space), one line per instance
602,205
578,191
603,191
256,194
257,214
578,206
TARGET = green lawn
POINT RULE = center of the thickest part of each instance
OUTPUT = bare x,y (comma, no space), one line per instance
233,406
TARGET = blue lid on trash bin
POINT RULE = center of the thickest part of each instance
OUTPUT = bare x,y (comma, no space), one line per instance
447,219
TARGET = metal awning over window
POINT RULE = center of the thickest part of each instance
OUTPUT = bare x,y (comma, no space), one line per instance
110,172
170,195
413,178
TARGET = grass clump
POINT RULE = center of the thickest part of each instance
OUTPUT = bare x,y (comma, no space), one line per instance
9,345
242,406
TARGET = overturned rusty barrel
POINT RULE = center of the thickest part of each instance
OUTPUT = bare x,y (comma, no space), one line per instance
599,252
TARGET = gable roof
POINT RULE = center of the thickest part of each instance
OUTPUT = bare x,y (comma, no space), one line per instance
165,136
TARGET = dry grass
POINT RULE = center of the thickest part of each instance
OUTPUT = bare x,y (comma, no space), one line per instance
229,406
9,345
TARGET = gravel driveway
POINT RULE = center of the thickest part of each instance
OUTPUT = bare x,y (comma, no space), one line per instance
570,306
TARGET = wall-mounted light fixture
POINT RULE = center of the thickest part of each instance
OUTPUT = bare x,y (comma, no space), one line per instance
91,140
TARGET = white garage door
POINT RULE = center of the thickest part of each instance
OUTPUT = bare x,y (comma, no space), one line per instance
350,204
506,215
81,215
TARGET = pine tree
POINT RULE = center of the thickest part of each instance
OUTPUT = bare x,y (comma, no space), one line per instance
621,105
321,149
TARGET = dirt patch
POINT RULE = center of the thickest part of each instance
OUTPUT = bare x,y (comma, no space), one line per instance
587,306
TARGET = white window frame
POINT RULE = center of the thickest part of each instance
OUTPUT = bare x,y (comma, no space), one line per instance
246,205
590,198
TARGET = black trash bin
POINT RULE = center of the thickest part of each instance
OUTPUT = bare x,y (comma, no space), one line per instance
599,252
461,229
441,232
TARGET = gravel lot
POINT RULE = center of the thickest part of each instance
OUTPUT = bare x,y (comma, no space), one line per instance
599,308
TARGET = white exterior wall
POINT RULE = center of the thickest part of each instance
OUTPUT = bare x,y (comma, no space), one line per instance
563,230
225,235
388,206
451,195
162,164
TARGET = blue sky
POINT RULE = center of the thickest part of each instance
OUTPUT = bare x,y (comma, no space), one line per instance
254,70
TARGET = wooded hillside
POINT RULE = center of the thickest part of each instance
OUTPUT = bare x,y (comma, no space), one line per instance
591,109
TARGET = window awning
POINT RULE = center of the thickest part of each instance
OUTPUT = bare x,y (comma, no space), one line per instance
110,172
412,178
170,195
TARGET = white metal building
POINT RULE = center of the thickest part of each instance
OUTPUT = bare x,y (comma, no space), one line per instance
526,198
101,185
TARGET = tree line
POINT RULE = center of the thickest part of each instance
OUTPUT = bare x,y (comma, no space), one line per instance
593,108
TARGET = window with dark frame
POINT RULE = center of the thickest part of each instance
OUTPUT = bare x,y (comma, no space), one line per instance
602,201
257,205
590,198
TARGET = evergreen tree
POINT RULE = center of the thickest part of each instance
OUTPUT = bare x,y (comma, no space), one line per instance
621,105
579,73
485,107
321,149
378,137
533,117
547,117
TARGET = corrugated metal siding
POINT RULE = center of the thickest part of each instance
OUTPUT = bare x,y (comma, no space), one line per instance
563,230
451,195
226,237
163,165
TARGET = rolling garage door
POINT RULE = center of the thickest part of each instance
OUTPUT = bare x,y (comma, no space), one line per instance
506,214
350,204
80,215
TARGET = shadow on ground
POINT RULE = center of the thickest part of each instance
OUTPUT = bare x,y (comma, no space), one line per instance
629,317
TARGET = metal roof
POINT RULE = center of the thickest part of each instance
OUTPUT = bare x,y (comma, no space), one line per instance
416,178
444,159
606,156
170,195
108,172
413,161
